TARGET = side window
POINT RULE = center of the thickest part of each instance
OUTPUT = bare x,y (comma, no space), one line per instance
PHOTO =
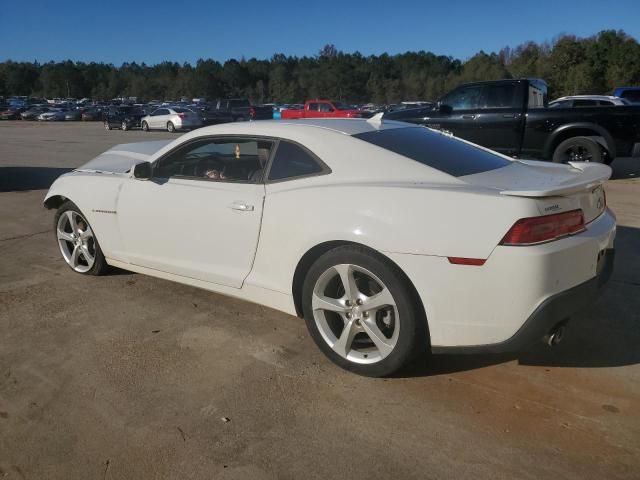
240,160
325,107
585,103
292,161
313,107
606,103
464,98
501,96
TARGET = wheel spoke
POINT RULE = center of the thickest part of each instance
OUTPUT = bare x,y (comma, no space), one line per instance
378,300
62,235
343,344
86,254
320,302
376,336
348,281
87,233
75,256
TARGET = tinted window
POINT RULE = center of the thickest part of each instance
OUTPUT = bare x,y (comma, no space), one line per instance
223,159
239,103
292,160
435,150
501,96
631,95
585,103
325,107
560,104
313,106
464,98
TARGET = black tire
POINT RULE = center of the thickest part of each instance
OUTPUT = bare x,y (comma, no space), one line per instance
239,119
124,126
171,127
578,149
100,266
107,125
413,338
145,126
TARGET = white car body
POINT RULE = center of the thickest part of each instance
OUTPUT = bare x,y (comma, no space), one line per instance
600,100
414,215
181,118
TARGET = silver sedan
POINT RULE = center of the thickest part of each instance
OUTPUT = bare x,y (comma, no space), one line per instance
171,119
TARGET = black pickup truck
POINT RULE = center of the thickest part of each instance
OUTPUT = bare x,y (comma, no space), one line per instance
511,117
241,110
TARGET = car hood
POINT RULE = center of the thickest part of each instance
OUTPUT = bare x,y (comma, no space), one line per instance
121,158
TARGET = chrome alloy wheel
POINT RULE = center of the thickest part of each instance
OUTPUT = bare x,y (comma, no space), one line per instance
76,241
355,313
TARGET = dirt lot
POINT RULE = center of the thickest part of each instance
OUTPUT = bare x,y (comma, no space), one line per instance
129,377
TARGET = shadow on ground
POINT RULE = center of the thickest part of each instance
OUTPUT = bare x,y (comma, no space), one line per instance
18,179
606,334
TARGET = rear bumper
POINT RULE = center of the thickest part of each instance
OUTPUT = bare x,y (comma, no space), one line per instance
553,311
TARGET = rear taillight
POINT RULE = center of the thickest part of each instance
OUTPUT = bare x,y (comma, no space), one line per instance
181,115
533,230
252,112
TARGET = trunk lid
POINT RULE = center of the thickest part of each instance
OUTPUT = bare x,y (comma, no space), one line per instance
555,187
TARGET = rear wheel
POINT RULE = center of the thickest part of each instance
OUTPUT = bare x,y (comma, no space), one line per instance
145,126
578,149
107,125
77,242
124,126
360,312
171,127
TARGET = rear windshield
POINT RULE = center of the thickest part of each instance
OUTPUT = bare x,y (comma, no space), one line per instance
435,150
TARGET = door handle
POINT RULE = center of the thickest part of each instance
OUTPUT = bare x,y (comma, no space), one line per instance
509,115
241,206
469,117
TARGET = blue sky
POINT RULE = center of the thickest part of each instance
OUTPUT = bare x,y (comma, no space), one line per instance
117,31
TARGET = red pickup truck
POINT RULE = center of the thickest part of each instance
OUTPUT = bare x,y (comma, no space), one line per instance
322,109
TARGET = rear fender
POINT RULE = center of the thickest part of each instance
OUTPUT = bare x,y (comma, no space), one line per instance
580,129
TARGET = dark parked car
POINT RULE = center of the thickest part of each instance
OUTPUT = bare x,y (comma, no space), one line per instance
10,113
241,110
73,115
123,117
629,93
92,114
511,117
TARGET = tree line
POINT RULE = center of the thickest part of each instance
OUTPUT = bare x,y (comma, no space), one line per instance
570,65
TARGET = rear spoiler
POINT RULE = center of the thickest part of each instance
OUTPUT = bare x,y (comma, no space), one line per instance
591,175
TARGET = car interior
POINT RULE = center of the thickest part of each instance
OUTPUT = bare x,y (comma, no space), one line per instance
229,160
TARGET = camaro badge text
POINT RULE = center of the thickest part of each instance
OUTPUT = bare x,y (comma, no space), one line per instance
104,211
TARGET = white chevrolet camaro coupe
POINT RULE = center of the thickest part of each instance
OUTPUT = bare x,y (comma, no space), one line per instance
389,239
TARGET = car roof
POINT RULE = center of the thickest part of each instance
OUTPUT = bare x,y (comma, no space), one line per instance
346,126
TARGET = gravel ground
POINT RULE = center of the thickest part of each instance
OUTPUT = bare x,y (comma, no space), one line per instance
127,376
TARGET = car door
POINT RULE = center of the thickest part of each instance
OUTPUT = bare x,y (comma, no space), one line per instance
458,113
499,120
200,214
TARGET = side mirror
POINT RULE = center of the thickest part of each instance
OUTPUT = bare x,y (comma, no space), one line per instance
142,171
445,109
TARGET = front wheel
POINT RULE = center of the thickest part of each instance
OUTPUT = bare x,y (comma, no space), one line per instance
77,241
107,125
578,149
171,127
145,126
361,313
124,126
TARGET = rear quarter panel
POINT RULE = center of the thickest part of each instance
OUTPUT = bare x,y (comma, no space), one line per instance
419,220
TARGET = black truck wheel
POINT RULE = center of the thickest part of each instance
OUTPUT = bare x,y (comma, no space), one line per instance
578,149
